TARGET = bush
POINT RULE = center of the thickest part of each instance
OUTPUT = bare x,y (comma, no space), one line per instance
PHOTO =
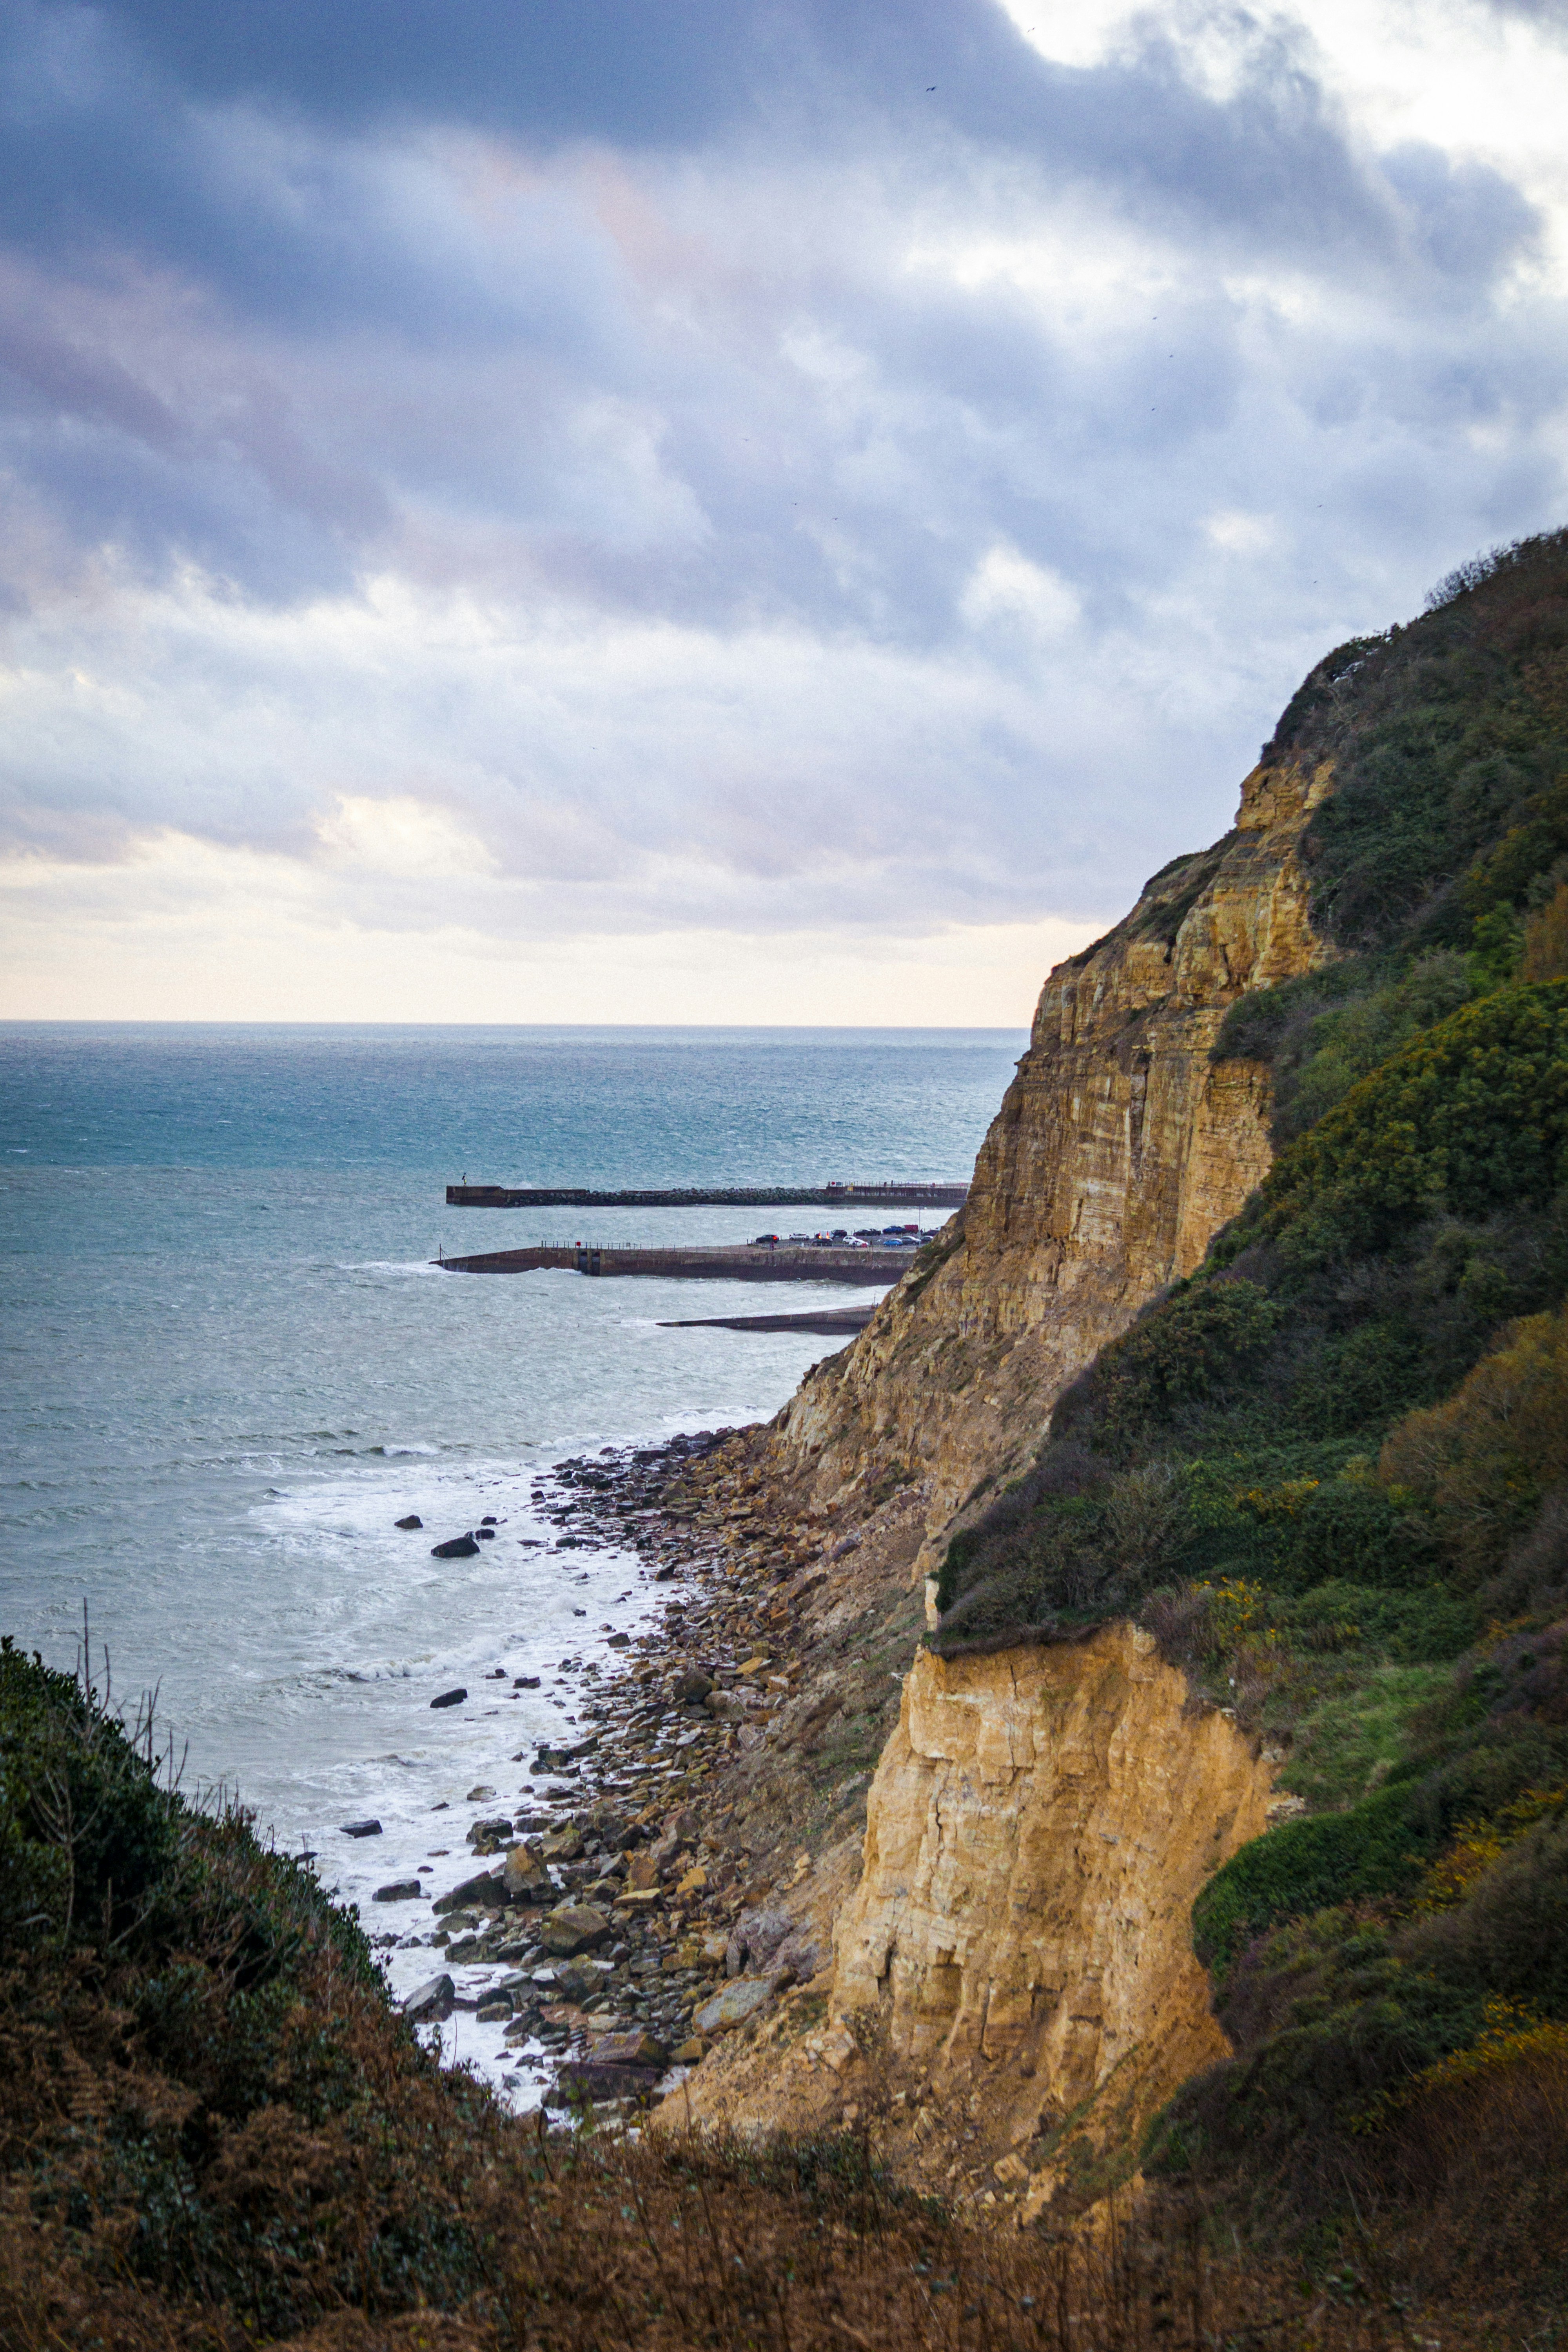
1304,1866
1481,1463
1470,1117
1192,1350
86,1834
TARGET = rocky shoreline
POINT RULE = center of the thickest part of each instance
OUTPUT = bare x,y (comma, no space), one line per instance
605,1929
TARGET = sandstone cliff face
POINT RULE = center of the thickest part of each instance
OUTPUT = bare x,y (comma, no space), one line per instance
1014,1991
1118,1152
1037,1829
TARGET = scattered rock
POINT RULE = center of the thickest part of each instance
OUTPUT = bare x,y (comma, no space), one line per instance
455,1548
734,2006
412,1520
451,1697
574,1928
361,1829
431,2003
402,1890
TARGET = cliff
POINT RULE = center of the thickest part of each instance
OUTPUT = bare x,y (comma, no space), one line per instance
1014,1990
1119,1150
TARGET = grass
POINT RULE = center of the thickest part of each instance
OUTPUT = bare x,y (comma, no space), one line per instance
1346,1748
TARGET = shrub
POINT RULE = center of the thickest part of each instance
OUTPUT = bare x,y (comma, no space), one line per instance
1481,1462
1471,1117
1304,1866
1191,1350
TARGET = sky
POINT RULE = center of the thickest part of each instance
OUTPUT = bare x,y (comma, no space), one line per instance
717,511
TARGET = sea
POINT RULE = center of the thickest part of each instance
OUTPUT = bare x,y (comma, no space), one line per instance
231,1363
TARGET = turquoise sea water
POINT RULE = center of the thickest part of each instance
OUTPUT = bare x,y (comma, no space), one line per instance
228,1365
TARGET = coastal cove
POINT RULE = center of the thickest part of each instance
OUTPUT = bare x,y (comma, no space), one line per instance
232,1367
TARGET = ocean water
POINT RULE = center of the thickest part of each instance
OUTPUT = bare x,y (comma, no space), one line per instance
228,1365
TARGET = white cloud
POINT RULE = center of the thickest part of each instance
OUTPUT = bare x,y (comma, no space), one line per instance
895,531
1005,586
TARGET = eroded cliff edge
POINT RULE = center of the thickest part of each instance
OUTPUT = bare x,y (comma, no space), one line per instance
1014,1990
1117,1151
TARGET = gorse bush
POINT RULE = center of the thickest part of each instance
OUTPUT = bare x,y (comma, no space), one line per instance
1469,1118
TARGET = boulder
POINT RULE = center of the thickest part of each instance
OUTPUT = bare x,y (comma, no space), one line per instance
494,2009
431,2002
561,1845
642,1871
491,1832
754,1939
402,1890
412,1520
637,2048
361,1829
525,1682
455,1548
524,1877
587,2082
620,1642
692,1689
734,2006
451,1697
574,1928
581,1980
484,1890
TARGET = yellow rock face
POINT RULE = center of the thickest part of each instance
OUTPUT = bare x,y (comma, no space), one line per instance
1118,1152
1037,1831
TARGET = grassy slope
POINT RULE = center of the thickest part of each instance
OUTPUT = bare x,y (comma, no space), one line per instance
1331,1472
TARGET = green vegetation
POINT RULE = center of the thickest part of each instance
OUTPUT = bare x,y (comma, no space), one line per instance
216,2136
1331,1471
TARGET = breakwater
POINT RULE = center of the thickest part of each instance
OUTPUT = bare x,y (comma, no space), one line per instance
741,1264
732,1196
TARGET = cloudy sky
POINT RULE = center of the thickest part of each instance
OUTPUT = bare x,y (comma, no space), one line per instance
718,509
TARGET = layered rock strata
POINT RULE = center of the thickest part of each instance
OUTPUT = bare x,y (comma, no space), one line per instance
1037,1829
1119,1150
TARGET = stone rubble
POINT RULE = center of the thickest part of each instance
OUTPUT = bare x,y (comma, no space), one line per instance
627,1934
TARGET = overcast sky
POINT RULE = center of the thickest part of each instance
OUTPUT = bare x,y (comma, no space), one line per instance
718,509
